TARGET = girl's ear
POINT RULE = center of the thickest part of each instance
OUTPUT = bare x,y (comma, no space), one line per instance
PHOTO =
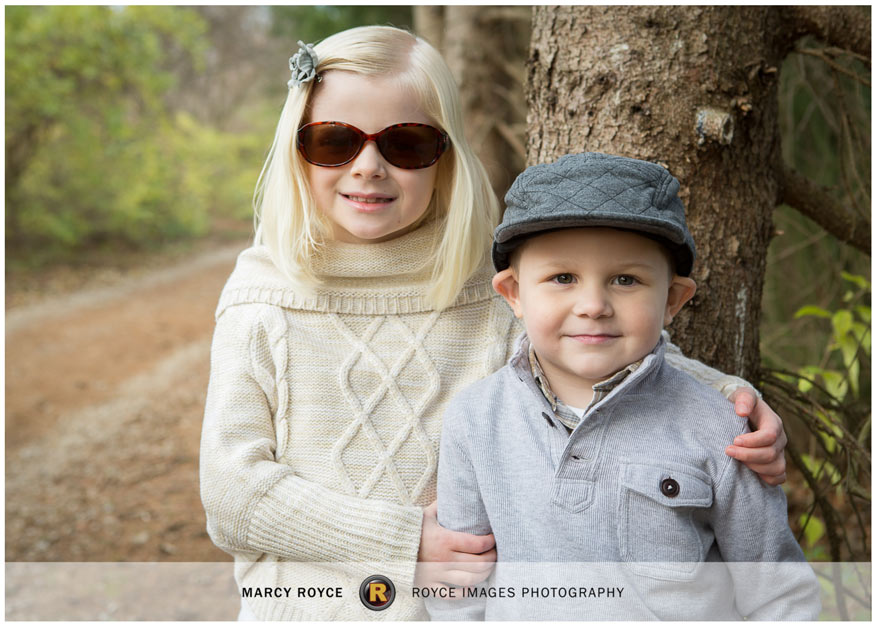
506,285
680,291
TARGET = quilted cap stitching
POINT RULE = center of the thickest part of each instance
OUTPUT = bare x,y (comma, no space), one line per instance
593,189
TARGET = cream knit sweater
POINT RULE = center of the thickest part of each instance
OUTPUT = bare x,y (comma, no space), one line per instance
323,419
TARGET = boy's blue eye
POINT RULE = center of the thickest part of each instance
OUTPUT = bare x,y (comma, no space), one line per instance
564,278
625,280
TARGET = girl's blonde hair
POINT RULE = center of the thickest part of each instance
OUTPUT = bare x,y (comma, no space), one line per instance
287,220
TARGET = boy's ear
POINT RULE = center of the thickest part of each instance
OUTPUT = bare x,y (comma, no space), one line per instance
680,291
506,285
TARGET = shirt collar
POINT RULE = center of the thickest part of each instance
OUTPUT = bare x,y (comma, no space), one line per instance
600,390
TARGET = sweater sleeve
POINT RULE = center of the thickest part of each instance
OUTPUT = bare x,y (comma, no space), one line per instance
771,577
255,504
726,384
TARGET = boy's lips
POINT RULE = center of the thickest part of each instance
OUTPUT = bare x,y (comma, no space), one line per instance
593,339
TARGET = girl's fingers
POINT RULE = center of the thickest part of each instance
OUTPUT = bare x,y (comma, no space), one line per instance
473,561
767,425
461,542
437,544
770,465
759,456
464,578
764,472
765,438
430,574
745,401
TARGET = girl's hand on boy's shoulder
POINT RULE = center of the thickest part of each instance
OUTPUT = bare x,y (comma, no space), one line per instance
452,558
761,450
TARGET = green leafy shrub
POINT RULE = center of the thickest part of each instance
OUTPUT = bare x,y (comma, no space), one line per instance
831,399
93,154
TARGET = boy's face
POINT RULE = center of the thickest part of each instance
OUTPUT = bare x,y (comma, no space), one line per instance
593,300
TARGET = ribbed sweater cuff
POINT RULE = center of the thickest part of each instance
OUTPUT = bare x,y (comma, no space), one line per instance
302,521
736,383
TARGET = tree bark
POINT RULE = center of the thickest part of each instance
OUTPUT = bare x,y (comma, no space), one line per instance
845,27
694,89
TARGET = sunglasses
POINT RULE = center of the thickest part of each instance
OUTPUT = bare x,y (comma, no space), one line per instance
407,146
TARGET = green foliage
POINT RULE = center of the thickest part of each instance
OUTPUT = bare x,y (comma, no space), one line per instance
152,184
314,23
815,339
92,153
850,341
221,168
95,151
814,529
831,399
825,119
825,122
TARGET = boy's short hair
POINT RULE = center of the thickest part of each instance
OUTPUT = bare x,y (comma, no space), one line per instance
593,189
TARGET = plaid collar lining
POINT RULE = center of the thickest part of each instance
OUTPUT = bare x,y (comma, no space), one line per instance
568,417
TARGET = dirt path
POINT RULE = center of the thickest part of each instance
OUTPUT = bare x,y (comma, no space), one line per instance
104,401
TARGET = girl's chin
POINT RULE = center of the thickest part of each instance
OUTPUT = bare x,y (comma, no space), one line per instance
366,237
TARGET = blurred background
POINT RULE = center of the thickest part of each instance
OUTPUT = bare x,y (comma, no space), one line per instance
134,138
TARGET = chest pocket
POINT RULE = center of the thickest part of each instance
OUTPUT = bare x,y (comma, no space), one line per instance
658,534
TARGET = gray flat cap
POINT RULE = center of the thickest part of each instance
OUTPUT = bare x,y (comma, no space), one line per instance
592,189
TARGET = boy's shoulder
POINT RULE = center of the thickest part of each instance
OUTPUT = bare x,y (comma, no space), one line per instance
678,382
494,385
695,406
488,395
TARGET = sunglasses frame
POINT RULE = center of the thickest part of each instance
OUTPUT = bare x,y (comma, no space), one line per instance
442,145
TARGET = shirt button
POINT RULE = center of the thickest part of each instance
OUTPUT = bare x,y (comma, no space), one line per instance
670,488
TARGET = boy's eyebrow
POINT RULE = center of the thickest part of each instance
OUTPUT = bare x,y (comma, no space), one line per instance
634,264
559,263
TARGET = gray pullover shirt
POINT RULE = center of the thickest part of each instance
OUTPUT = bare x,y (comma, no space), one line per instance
643,481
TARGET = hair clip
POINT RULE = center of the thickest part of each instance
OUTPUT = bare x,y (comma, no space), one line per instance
303,65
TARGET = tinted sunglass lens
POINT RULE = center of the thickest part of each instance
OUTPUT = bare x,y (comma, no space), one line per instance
329,144
411,147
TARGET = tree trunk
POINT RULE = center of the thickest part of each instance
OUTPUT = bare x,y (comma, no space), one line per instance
428,22
485,48
694,89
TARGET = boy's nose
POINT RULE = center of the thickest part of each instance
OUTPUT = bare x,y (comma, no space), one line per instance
369,163
592,302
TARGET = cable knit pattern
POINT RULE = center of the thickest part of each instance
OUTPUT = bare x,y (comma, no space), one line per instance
323,417
411,407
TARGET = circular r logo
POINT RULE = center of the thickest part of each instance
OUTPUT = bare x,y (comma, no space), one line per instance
377,592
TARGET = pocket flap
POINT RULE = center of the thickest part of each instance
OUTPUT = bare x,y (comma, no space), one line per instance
670,485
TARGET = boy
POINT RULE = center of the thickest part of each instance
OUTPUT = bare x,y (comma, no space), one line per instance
587,446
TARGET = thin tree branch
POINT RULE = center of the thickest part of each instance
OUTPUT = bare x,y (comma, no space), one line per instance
818,53
847,27
817,204
513,140
835,52
826,509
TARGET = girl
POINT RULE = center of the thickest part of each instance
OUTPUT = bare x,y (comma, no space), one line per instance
364,304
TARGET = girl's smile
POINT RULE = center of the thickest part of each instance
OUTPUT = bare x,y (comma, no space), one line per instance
368,200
